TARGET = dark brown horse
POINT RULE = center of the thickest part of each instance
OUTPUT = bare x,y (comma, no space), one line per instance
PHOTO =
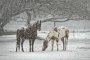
28,33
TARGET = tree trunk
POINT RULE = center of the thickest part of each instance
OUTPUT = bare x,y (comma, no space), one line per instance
1,30
29,17
3,23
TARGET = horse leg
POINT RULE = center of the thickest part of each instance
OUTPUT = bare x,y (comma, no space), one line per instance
52,45
66,41
65,44
18,45
22,44
57,45
29,45
33,45
62,39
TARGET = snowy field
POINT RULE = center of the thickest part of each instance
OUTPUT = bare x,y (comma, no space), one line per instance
78,48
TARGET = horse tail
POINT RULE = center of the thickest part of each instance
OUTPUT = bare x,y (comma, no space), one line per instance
18,40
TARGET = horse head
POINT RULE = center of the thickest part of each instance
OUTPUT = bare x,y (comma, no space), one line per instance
56,29
39,25
45,45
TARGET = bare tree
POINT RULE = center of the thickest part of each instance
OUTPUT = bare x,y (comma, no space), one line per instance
65,8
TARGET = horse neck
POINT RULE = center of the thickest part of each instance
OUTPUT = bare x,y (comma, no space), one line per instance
34,28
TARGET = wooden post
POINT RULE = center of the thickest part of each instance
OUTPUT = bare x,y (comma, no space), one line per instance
54,24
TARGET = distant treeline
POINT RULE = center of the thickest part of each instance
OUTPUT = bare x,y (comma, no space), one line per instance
79,31
7,33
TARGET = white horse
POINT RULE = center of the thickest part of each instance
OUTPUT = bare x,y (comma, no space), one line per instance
57,34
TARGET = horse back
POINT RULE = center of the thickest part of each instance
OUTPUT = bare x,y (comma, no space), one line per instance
30,33
53,33
63,32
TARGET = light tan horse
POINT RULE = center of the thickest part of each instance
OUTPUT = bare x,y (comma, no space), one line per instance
57,34
63,36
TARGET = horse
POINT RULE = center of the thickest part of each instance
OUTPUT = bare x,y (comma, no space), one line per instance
63,36
56,34
29,33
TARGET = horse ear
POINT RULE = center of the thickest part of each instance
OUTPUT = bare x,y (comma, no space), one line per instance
40,21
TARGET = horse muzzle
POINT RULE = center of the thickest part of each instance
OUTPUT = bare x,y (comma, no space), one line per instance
43,49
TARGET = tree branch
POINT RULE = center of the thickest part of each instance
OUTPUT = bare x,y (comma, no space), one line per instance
58,20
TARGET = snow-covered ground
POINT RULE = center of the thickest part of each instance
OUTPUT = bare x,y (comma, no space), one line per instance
78,48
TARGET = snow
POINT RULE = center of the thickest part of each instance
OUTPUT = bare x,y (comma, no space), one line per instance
78,48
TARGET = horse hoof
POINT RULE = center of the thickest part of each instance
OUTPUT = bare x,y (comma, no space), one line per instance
22,50
57,50
32,50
